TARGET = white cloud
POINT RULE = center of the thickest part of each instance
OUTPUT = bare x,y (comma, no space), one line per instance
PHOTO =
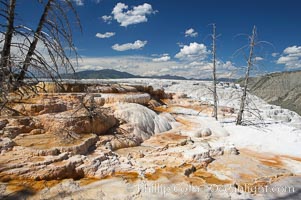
107,18
228,65
193,51
258,59
105,35
180,44
162,58
275,54
136,15
144,65
294,50
291,57
138,44
164,70
138,65
191,33
79,2
287,59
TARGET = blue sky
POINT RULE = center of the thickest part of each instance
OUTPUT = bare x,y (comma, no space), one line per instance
172,36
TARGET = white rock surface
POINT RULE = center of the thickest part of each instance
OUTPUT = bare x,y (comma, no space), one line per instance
200,126
139,98
275,138
143,121
206,132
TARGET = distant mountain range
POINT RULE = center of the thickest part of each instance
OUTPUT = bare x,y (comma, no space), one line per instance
114,74
100,74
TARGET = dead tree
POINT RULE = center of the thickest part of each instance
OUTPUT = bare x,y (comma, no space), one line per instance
55,34
28,54
214,81
246,79
33,44
8,35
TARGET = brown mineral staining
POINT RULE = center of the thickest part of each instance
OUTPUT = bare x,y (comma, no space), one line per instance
292,158
268,160
42,141
166,139
210,178
176,175
186,123
274,162
17,185
245,176
129,176
87,181
173,174
171,137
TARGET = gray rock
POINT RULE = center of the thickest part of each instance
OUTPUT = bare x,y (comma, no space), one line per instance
206,132
3,123
11,131
6,144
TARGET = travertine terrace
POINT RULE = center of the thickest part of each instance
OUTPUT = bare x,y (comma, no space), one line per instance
106,141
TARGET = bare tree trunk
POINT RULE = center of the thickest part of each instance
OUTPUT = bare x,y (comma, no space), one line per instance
53,32
245,86
214,70
5,54
34,42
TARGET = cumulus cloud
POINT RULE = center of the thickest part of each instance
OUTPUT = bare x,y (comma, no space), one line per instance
291,57
258,59
129,46
162,58
136,15
227,66
191,33
105,35
293,51
193,51
79,2
107,19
